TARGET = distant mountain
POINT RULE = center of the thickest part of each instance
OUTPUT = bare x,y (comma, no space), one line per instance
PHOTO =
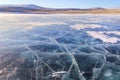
115,8
97,8
21,8
30,8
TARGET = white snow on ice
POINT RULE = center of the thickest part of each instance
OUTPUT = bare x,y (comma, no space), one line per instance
103,37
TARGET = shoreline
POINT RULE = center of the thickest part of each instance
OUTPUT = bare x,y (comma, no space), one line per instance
107,11
60,13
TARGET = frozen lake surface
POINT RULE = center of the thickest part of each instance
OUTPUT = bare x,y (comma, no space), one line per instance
44,47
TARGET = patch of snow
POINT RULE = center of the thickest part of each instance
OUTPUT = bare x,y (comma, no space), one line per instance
83,26
113,32
38,24
101,36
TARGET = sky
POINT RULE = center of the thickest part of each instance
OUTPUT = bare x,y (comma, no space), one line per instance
67,3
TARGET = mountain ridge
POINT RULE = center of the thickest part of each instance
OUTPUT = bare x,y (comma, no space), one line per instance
36,6
35,9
